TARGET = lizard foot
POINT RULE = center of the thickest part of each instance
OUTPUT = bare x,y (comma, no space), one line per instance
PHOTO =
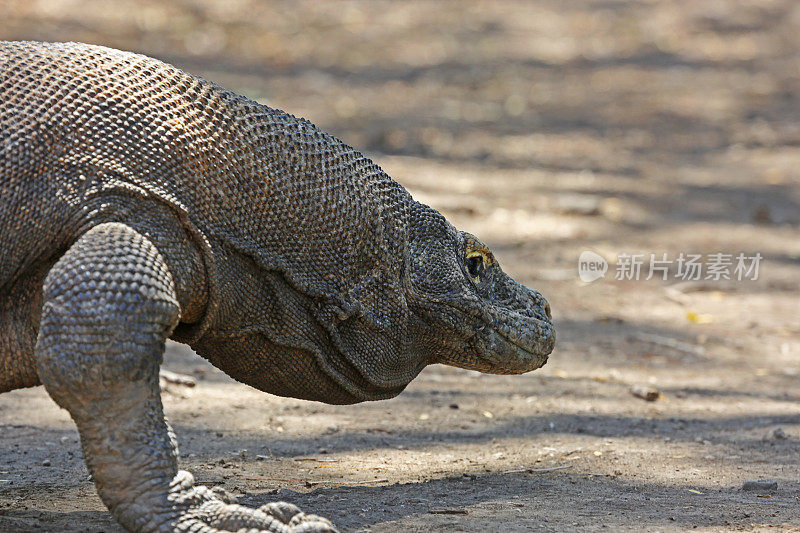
203,510
109,306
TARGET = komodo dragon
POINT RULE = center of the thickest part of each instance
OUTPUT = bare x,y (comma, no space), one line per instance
140,203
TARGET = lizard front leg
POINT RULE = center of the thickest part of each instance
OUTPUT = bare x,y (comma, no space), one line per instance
109,305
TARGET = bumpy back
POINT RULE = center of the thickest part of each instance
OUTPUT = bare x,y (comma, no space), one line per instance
80,121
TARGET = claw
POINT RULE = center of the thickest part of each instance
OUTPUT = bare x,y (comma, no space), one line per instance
223,495
281,510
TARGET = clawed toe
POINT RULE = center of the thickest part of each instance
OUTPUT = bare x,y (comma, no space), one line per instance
223,495
298,521
281,510
309,523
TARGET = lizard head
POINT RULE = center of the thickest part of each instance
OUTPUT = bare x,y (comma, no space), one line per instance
469,313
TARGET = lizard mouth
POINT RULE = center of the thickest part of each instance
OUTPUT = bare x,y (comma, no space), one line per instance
516,343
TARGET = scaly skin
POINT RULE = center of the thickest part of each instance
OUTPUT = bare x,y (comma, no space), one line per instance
142,203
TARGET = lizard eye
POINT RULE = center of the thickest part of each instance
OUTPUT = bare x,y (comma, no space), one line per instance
476,264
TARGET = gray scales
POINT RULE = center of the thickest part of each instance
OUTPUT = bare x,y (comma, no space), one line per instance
141,203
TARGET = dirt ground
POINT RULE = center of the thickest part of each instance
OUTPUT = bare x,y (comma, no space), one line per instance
547,128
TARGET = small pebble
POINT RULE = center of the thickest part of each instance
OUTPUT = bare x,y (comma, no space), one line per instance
778,434
46,462
645,392
760,485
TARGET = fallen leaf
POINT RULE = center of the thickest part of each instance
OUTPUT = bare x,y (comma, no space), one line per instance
699,318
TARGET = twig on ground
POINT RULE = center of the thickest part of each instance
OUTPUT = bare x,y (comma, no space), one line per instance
173,378
537,470
312,483
680,346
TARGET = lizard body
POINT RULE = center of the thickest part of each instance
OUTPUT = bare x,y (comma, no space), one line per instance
142,203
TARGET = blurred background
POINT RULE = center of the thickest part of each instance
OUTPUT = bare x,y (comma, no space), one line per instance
546,128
